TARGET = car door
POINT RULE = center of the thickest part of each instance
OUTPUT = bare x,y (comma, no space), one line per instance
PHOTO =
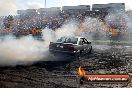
81,44
88,45
85,45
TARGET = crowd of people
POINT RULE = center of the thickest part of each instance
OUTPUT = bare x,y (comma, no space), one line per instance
25,23
34,23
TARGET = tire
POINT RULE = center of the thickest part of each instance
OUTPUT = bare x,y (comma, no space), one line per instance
77,56
90,51
82,80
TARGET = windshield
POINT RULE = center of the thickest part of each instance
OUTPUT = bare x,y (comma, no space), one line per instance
68,40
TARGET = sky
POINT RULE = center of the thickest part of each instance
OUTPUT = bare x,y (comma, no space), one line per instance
11,6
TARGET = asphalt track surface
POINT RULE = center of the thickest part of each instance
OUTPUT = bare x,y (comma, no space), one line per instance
104,59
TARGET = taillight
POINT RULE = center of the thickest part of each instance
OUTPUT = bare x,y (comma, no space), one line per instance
50,44
70,47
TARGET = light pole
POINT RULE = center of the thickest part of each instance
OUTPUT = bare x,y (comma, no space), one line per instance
45,3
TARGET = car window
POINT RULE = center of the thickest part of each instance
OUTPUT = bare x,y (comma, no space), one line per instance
83,41
68,40
60,40
71,40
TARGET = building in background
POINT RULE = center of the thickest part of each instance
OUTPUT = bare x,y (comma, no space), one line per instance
53,11
75,10
101,10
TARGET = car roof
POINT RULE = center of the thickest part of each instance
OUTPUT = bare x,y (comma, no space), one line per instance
73,36
78,37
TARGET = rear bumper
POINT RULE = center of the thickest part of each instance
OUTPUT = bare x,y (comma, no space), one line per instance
63,53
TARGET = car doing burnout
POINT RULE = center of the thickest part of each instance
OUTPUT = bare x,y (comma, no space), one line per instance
71,46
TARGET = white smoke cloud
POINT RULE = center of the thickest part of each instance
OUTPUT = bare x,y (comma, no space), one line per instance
68,29
26,50
23,50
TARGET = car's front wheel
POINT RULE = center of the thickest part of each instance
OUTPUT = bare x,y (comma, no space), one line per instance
90,51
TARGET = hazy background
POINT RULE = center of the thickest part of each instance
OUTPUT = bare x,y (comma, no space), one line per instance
11,6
